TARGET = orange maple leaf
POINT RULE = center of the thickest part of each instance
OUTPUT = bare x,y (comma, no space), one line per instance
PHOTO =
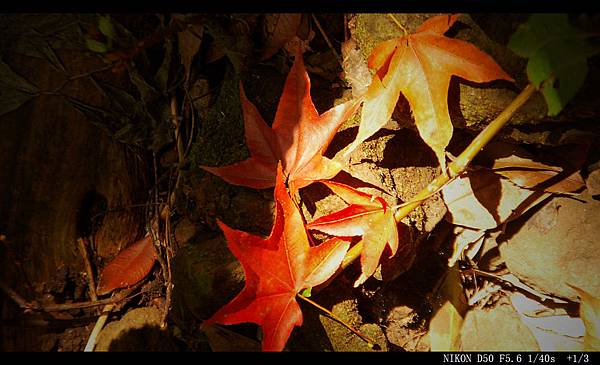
276,269
420,66
366,216
298,138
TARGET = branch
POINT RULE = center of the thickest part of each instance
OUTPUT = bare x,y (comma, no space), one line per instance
457,167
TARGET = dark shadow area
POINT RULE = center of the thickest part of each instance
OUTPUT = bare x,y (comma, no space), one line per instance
90,214
407,149
487,189
515,225
410,290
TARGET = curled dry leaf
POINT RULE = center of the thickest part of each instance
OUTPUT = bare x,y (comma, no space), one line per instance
129,267
278,29
466,240
589,311
420,66
276,270
446,323
366,216
189,42
523,168
483,200
553,329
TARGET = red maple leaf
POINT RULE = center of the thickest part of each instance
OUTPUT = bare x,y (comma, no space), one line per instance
366,216
276,269
298,138
420,66
129,267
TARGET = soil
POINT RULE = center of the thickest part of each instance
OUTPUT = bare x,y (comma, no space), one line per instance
394,308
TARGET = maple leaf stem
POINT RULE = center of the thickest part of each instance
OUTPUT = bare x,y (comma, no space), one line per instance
457,167
369,342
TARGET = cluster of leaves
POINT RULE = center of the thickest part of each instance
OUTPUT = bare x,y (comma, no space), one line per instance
279,267
289,156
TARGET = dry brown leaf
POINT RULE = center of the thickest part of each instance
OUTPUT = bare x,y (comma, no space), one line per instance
278,29
589,311
553,329
446,323
129,267
189,42
524,169
466,240
483,200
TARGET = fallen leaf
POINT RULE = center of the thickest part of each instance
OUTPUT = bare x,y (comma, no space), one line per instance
278,29
466,240
483,200
276,269
554,330
129,267
298,138
522,168
189,42
446,323
555,49
589,311
15,90
420,66
366,216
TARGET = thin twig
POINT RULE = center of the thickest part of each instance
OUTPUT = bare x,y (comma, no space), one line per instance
81,244
455,168
24,304
337,56
369,342
19,300
91,343
515,282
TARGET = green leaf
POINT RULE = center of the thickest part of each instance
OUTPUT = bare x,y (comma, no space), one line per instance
95,46
12,99
14,89
10,79
106,27
557,52
306,292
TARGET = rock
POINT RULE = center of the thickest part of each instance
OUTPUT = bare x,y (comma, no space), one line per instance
321,333
184,231
556,245
496,329
138,330
206,276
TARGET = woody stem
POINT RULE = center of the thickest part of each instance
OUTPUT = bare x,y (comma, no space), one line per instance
457,167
